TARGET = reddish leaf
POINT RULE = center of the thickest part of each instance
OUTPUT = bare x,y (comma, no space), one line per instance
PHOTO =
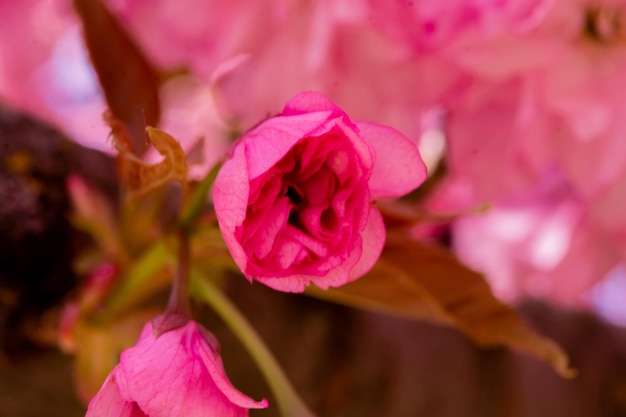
421,281
129,82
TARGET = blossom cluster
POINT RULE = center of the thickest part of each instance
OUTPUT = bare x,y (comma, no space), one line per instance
529,91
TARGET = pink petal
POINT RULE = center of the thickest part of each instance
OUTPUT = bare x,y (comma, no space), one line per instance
168,376
292,283
318,187
310,101
274,221
287,252
306,241
216,371
230,198
398,166
373,242
108,402
362,258
269,142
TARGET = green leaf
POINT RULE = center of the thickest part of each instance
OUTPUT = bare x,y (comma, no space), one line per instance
197,200
150,273
421,281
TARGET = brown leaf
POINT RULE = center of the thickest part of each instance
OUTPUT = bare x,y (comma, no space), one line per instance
129,82
140,177
423,281
399,213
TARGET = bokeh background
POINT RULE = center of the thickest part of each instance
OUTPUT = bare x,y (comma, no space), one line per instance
517,107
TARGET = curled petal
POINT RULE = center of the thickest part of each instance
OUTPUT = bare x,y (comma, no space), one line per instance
178,373
398,167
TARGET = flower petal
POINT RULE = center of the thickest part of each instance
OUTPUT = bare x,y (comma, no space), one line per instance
108,402
178,374
230,198
373,242
214,366
269,142
309,101
363,256
398,166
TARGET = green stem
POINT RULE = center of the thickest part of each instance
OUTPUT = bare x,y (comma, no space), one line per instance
290,404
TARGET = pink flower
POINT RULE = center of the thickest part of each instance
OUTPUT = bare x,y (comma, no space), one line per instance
177,373
546,246
48,73
331,46
294,201
198,34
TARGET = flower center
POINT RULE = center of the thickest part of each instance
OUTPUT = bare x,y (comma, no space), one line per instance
296,199
294,196
307,211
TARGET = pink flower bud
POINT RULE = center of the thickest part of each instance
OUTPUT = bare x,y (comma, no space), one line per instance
294,201
178,373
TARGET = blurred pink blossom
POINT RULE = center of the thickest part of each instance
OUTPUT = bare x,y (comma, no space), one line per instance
28,34
433,24
531,91
48,73
50,76
294,201
259,54
199,34
176,373
331,47
191,114
536,131
545,247
554,90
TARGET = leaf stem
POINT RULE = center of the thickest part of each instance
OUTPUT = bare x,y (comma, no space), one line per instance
290,404
179,297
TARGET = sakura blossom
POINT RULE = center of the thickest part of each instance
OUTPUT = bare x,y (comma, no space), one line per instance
294,201
176,373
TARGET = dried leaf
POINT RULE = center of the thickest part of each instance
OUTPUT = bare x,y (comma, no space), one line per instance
140,177
129,82
422,281
398,213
